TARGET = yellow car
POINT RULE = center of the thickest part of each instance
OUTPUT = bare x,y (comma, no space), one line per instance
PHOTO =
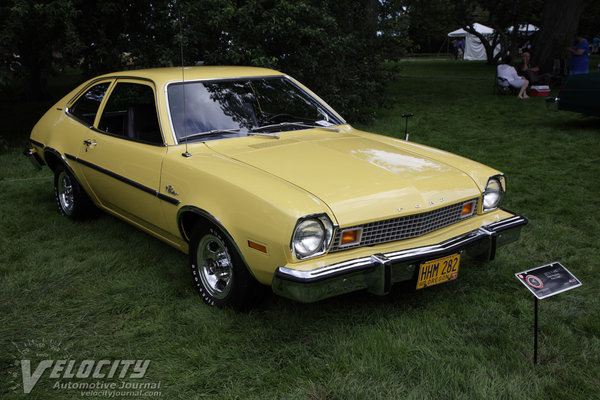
262,183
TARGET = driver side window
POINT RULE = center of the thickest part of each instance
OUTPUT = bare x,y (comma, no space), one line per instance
130,112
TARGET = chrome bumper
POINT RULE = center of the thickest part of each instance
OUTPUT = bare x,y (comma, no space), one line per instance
376,273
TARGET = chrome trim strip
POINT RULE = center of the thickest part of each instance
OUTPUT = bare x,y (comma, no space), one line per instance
203,213
507,223
123,179
100,131
402,256
215,221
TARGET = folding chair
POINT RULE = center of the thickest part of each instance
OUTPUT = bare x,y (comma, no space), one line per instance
501,86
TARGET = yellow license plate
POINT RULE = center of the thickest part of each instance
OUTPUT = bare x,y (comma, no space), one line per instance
438,271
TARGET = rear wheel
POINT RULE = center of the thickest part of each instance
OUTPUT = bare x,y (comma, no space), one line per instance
70,198
218,272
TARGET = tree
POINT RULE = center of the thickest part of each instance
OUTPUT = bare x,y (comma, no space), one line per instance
429,23
333,46
499,15
40,32
559,24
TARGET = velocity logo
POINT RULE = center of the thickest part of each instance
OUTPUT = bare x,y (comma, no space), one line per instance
69,369
39,361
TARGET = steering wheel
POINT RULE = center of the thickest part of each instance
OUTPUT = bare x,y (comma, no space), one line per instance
277,118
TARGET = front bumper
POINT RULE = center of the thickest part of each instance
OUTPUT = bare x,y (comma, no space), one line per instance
377,272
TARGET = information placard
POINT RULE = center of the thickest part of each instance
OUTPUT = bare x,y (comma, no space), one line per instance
548,280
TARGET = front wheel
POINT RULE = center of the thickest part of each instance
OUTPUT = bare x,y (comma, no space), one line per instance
220,276
70,198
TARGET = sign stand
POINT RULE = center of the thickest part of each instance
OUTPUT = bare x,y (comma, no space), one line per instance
535,333
406,117
546,281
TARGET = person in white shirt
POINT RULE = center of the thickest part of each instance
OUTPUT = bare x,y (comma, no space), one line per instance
509,74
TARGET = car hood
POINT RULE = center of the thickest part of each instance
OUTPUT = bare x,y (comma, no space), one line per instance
359,178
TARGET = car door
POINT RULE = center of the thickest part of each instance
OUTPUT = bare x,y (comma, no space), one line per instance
83,111
122,156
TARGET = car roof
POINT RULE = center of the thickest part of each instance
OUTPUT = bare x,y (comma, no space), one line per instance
164,75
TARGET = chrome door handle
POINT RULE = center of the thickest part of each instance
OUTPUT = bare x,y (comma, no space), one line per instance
89,143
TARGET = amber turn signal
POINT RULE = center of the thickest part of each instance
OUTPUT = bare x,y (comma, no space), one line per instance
256,246
350,236
468,209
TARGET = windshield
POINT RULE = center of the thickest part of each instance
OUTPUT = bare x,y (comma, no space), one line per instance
207,110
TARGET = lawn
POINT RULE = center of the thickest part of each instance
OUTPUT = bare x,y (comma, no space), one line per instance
102,290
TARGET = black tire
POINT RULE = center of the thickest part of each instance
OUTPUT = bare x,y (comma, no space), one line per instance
71,199
218,272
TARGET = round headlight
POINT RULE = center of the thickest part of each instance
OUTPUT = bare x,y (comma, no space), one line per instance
492,194
309,238
312,236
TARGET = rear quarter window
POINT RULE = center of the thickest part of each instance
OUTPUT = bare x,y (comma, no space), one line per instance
86,107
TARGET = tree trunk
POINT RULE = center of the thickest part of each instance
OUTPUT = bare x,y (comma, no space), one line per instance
559,23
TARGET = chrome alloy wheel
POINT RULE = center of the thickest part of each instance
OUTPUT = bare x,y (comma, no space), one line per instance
215,266
65,194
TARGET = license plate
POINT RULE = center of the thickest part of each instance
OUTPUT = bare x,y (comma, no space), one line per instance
438,271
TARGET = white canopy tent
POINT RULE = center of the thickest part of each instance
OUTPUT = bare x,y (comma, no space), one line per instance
527,29
474,49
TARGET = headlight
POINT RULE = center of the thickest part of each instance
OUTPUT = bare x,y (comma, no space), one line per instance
493,193
312,236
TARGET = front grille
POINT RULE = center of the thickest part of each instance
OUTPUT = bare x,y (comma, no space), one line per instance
402,228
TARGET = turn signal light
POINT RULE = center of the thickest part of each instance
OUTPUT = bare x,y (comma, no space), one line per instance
350,236
468,209
256,246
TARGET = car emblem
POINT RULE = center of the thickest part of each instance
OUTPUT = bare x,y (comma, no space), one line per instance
170,190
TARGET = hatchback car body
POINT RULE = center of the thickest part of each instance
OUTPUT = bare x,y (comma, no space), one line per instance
261,182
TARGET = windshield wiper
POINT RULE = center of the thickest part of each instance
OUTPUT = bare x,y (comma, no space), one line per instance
299,124
267,134
213,132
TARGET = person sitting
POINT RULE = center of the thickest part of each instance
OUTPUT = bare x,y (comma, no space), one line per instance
531,72
508,73
526,69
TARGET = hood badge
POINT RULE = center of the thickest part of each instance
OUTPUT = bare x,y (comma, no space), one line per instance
431,203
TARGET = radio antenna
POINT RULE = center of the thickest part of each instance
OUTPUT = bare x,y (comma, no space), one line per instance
186,154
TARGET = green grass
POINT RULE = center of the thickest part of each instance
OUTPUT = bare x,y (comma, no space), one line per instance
104,290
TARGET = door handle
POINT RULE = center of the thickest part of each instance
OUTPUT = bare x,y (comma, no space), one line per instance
89,143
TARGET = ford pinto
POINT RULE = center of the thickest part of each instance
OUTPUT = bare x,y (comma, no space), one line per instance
262,183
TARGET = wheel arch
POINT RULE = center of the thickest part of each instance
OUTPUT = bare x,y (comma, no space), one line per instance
189,216
52,158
